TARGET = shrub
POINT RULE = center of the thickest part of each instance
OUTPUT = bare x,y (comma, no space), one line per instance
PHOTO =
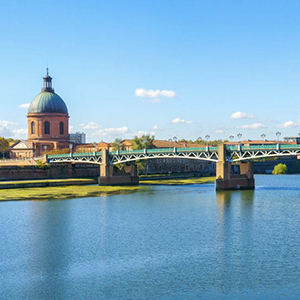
280,169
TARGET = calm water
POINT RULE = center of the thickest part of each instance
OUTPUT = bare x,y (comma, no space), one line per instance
182,242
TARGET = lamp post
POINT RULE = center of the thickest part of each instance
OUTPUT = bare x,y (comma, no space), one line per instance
278,134
231,137
71,147
263,136
45,148
95,145
175,140
239,135
207,138
199,139
170,141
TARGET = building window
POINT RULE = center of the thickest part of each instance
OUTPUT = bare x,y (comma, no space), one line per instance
32,128
61,128
47,127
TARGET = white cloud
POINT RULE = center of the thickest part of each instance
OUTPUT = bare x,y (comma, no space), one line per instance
146,93
5,132
24,105
111,131
219,131
181,121
155,127
141,132
4,123
20,133
241,115
168,94
252,126
154,94
90,125
289,124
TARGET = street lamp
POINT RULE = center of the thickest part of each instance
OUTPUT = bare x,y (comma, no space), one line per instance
95,145
263,136
239,135
199,139
278,134
71,147
170,141
207,138
231,137
175,140
45,147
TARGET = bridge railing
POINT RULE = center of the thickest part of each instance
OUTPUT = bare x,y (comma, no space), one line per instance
53,156
239,147
294,146
262,147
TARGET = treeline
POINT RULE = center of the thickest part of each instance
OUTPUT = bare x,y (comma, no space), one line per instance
4,146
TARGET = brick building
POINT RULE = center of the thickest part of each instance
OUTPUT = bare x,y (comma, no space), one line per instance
48,124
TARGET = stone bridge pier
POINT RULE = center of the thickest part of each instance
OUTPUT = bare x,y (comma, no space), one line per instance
110,176
231,176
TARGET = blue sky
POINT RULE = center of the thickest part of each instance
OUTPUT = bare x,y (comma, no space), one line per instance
170,68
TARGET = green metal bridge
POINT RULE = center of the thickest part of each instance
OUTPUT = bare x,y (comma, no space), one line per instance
234,153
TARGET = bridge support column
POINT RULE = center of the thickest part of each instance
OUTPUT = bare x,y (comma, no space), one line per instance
108,175
233,176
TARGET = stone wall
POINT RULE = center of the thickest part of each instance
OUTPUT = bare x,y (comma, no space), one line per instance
54,171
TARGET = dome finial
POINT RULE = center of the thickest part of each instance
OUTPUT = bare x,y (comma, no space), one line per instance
47,71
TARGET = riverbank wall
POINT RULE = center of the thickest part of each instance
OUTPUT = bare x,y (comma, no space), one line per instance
58,171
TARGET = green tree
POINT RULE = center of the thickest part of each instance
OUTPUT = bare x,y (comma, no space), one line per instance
4,146
117,145
280,169
143,142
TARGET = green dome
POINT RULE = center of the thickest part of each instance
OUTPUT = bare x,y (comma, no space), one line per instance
47,102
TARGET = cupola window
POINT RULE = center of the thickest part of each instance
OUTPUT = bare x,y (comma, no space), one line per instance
47,127
32,128
61,128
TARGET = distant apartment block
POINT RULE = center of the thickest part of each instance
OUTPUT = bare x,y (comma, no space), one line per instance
77,138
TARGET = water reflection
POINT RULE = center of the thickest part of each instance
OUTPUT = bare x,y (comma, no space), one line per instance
49,249
235,210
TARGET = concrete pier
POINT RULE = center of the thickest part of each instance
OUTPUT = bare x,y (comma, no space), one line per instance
108,175
231,176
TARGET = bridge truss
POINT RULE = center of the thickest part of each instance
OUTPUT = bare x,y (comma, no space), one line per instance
242,153
234,153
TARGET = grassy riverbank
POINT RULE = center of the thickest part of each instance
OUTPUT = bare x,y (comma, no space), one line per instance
74,191
66,192
191,180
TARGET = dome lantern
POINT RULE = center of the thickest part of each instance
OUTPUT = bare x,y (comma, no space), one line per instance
47,83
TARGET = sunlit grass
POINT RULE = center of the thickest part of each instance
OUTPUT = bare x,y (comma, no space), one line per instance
16,182
65,192
74,191
180,181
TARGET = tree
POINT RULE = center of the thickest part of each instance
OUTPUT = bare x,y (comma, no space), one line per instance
143,142
117,145
280,169
4,146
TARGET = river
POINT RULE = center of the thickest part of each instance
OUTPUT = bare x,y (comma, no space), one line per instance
172,242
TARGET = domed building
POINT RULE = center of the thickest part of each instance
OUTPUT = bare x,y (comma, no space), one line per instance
48,117
48,124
